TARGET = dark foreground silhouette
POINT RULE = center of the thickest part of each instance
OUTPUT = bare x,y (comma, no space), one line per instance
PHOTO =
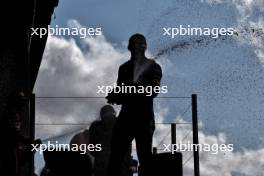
100,132
61,163
136,119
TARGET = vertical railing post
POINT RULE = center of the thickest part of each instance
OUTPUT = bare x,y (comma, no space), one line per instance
195,135
173,136
32,128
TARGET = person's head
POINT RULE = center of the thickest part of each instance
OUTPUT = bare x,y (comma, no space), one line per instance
137,44
107,113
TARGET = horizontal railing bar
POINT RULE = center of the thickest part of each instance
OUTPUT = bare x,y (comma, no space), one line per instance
87,97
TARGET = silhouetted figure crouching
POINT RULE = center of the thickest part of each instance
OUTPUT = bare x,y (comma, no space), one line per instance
100,132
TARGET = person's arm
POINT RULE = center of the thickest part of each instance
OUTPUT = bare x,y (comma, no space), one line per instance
116,98
92,133
157,75
120,78
153,80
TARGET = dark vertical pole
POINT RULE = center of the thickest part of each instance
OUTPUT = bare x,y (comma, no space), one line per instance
173,136
173,133
195,135
32,129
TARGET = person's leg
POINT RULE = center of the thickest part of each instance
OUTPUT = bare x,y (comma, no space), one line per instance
144,148
121,140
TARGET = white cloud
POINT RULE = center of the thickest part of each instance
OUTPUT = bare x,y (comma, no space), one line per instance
250,11
246,162
67,70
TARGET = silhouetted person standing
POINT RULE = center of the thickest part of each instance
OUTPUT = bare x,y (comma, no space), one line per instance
136,118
